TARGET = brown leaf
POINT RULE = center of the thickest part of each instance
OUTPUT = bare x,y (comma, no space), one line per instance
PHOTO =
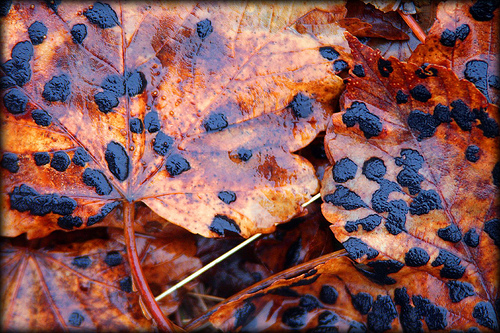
465,39
415,173
235,88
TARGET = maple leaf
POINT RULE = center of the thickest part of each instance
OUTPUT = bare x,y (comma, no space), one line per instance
415,174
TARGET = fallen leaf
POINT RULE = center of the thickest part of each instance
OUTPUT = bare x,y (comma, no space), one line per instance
415,172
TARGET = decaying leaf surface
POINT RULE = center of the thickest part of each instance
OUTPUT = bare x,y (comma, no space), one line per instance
340,296
192,109
415,174
88,284
464,38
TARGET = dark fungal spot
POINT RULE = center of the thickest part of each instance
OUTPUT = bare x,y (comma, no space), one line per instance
105,210
408,316
102,15
53,4
448,38
126,284
442,113
106,101
19,71
482,10
345,198
476,71
484,313
162,143
420,93
344,169
327,318
21,198
329,53
75,319
356,327
81,262
301,106
204,28
426,201
494,82
359,71
42,205
461,113
368,223
362,302
152,122
309,302
451,265
416,257
383,312
222,224
357,248
227,196
115,84
304,282
328,294
379,198
60,161
385,267
488,125
135,83
7,82
425,71
176,164
22,52
311,273
244,154
369,123
15,101
63,205
69,222
41,158
395,222
435,316
243,313
450,233
117,159
113,258
412,162
57,89
10,162
340,65
462,31
78,33
384,67
424,123
80,157
215,122
374,168
495,173
492,228
136,126
5,8
459,290
37,32
294,317
292,256
98,180
41,117
284,291
401,97
471,153
471,238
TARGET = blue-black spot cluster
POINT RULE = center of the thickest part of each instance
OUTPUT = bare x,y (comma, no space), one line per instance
41,117
18,67
369,123
472,153
459,290
115,86
435,316
482,10
118,161
222,224
476,71
382,315
96,179
484,313
362,302
176,164
359,71
215,122
357,248
80,157
449,38
244,154
412,162
329,53
57,89
10,162
105,210
343,170
204,28
416,257
380,269
113,258
60,161
37,32
82,262
243,314
450,233
451,265
162,143
492,228
75,319
227,196
102,15
126,284
301,106
78,33
345,198
24,198
152,122
15,101
384,67
408,315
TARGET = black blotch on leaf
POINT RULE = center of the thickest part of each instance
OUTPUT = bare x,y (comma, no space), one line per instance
106,101
416,257
63,205
162,143
204,28
482,10
484,313
126,284
78,33
102,15
327,318
328,294
448,38
37,32
344,197
408,316
488,125
215,122
301,106
462,31
356,327
6,82
425,71
294,317
244,313
10,162
426,201
384,67
19,71
21,198
401,97
442,113
471,153
459,290
15,101
362,302
152,122
476,71
357,248
244,154
75,319
135,83
98,180
136,126
383,313
435,316
344,169
105,210
369,123
309,302
461,113
117,159
492,228
176,164
471,238
374,168
450,233
452,268
115,84
57,89
359,71
41,117
368,223
340,65
80,157
292,256
60,161
382,268
222,224
69,222
424,123
329,53
227,196
41,158
420,93
113,258
82,262
284,291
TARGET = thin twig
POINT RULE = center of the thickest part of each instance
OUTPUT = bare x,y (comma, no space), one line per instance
414,26
209,297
